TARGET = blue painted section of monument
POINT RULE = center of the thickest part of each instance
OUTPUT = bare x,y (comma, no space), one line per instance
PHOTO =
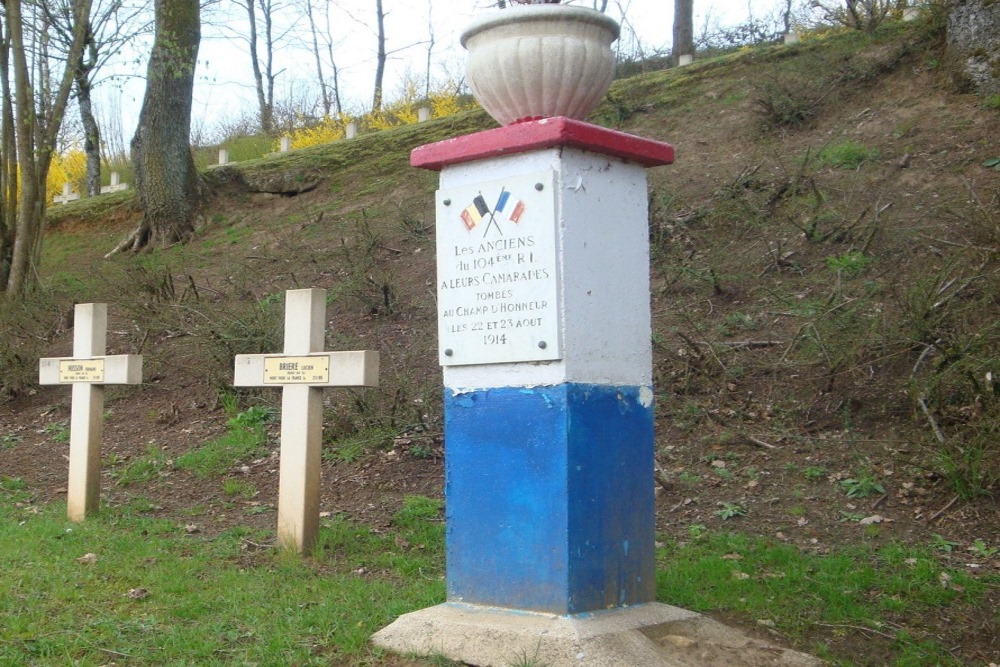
549,494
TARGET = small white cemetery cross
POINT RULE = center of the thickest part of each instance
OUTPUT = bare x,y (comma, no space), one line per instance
88,370
302,372
67,195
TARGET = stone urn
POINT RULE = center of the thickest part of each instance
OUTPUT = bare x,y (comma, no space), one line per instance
538,61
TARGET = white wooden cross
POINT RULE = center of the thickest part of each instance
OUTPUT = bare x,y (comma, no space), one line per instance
116,184
67,195
302,372
88,370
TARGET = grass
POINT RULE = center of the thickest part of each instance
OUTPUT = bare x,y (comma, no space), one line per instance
880,588
846,154
245,439
217,456
138,601
171,598
141,469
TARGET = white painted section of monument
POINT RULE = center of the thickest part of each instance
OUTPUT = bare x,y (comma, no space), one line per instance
351,130
598,203
498,277
286,144
302,371
88,370
223,156
423,114
684,59
791,37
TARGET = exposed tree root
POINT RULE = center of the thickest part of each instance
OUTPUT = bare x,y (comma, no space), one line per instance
136,240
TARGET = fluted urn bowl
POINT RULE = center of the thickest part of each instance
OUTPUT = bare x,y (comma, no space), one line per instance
539,61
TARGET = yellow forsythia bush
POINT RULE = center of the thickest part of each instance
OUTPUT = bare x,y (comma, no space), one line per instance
67,167
402,111
326,130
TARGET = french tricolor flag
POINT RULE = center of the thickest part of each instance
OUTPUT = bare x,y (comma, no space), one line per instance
517,210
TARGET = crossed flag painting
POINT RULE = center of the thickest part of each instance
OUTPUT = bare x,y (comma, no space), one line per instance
475,213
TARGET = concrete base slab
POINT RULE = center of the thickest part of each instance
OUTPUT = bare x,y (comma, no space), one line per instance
649,634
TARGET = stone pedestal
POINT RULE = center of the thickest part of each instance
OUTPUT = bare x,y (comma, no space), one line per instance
649,635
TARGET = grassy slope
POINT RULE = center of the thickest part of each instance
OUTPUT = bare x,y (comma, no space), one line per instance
809,293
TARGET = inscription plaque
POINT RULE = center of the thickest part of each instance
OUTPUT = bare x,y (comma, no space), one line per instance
296,370
81,370
497,272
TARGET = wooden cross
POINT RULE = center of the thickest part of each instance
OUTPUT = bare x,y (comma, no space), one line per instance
302,372
67,195
88,370
116,184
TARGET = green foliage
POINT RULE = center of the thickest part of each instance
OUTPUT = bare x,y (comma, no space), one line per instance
980,549
245,439
849,264
846,154
13,484
943,544
814,472
239,487
10,440
252,418
992,163
141,469
352,447
862,486
58,430
730,510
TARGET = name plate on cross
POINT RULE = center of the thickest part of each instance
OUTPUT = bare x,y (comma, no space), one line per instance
109,369
498,276
325,369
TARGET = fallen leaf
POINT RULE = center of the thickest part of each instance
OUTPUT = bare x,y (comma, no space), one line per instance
137,593
191,528
87,559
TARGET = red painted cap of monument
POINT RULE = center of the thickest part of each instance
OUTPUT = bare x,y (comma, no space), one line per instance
539,134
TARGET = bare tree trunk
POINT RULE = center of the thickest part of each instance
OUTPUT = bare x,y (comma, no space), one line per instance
258,76
380,66
8,160
91,131
430,48
336,79
683,29
91,137
324,89
267,9
166,180
35,133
